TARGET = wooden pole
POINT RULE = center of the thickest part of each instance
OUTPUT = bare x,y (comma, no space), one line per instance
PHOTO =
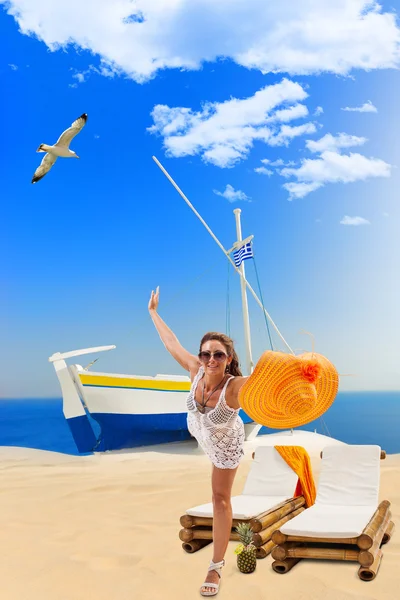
265,549
369,573
263,536
195,545
187,535
279,538
367,557
272,517
191,521
323,553
366,539
280,552
388,533
283,566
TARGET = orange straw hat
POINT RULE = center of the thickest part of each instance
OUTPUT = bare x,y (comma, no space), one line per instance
286,391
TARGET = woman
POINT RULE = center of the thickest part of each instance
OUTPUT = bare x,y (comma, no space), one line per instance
213,419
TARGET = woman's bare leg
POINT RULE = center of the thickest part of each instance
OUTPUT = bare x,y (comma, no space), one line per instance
221,481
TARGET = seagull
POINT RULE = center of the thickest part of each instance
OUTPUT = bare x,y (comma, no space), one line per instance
60,148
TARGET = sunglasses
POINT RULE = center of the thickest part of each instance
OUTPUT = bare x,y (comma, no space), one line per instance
219,356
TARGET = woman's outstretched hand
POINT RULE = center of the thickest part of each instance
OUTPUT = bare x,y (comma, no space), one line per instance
153,302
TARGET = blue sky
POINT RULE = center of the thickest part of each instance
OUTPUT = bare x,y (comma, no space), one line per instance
217,91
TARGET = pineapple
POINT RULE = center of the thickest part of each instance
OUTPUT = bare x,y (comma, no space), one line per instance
246,551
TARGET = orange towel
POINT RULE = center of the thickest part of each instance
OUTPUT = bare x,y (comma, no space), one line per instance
299,460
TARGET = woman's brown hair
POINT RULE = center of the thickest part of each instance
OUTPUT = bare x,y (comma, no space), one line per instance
233,368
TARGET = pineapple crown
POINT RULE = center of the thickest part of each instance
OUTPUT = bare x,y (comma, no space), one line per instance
245,533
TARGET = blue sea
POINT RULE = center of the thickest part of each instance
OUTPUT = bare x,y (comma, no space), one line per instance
354,418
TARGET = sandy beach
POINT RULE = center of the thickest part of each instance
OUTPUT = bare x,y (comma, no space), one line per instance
106,526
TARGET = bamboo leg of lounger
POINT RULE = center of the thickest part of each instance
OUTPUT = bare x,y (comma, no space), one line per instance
257,523
280,538
195,545
388,533
366,539
367,557
330,553
190,521
279,553
264,550
196,529
342,552
284,566
265,535
369,573
187,535
264,520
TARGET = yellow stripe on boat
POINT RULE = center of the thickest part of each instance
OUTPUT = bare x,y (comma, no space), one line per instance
137,384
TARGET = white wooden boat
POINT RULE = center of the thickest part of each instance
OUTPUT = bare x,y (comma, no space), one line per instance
107,411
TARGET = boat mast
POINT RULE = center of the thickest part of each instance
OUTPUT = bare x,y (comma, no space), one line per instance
226,252
245,307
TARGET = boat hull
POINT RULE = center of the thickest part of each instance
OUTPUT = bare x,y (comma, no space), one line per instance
128,411
118,431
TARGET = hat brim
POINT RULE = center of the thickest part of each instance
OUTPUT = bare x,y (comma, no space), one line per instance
278,394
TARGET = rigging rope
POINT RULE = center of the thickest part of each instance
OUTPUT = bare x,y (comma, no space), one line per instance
326,426
228,307
262,302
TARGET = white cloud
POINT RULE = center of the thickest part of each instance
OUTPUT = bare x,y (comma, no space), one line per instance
13,67
288,132
385,214
275,163
96,136
140,38
332,167
264,171
366,107
354,221
288,114
223,133
318,111
300,190
80,77
231,194
330,142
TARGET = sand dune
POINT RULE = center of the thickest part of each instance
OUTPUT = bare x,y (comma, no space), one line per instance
106,526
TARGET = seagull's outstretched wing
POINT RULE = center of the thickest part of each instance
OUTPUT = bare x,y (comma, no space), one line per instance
66,137
44,167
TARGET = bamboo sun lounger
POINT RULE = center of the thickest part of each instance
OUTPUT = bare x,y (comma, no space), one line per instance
346,522
267,502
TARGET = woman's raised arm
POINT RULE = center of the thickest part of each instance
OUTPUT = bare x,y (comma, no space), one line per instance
187,360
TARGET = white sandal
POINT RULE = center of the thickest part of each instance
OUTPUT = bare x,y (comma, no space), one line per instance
217,567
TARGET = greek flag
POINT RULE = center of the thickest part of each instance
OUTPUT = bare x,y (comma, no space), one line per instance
244,252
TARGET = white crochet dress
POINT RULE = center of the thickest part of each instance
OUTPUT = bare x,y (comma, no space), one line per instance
220,431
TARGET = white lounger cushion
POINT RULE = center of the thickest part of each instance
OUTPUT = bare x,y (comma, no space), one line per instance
243,507
347,495
270,475
270,481
330,521
349,476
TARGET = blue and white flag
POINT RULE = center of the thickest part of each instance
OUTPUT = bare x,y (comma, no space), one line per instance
244,252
